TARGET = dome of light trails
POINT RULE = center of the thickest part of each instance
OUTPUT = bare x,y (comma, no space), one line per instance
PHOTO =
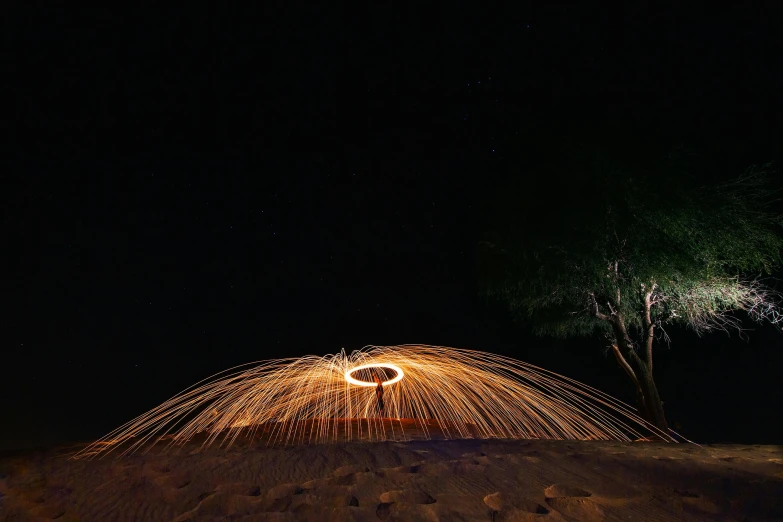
427,392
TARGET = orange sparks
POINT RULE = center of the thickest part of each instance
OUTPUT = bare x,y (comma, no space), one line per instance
459,393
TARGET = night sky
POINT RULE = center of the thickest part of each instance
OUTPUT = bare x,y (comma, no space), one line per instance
189,190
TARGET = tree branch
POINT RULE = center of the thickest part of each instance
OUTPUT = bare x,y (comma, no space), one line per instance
707,306
648,325
594,308
624,364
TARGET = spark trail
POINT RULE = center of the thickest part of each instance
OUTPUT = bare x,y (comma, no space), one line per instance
458,393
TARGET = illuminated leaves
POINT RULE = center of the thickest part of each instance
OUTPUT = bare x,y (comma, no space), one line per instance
702,248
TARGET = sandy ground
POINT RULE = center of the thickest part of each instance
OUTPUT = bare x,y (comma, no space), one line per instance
475,480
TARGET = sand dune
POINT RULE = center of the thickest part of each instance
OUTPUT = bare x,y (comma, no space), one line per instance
472,480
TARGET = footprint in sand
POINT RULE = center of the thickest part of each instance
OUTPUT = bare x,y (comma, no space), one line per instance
349,470
564,491
572,501
509,509
383,510
406,469
284,490
344,480
411,496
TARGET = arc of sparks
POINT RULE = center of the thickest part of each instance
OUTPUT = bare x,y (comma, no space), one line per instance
454,393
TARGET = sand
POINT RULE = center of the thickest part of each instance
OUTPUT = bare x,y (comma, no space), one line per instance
472,480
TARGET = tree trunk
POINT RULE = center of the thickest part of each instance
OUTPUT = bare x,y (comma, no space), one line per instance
652,401
644,378
639,370
641,407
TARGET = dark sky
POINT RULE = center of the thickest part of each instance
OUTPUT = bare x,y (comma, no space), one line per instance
187,190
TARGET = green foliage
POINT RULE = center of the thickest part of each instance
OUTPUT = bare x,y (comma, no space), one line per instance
626,228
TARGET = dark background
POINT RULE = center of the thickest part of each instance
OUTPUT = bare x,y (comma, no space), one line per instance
188,190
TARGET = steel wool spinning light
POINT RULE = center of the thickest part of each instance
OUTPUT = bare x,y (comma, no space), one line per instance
455,393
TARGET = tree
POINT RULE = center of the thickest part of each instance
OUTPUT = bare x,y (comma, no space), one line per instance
630,249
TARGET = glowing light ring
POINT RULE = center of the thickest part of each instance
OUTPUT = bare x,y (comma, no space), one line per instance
357,382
